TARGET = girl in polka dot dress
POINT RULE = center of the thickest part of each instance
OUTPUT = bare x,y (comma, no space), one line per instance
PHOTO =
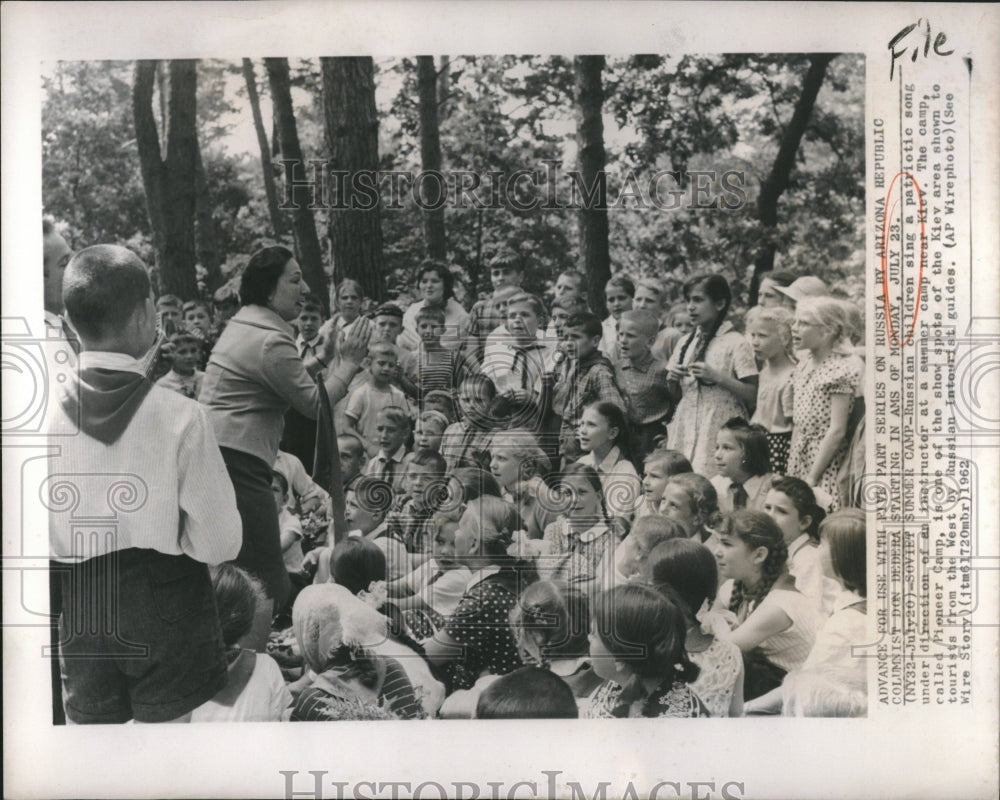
824,387
476,639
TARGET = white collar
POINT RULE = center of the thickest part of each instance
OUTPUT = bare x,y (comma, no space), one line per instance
589,535
312,342
397,457
607,464
845,598
797,544
103,359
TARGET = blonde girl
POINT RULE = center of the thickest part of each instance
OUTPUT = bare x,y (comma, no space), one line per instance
690,499
824,389
769,330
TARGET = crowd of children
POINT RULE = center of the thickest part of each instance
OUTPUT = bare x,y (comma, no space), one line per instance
554,515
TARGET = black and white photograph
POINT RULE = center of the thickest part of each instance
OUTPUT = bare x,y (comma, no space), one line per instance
410,386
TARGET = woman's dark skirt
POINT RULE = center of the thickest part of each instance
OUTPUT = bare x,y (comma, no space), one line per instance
261,551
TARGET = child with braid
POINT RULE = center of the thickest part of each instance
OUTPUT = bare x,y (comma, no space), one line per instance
712,373
776,624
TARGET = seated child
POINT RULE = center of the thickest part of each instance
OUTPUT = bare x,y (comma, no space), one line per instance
744,466
430,593
184,376
659,466
358,565
791,503
576,545
527,693
604,436
690,499
367,402
367,507
306,494
688,568
392,431
288,523
632,553
476,638
424,488
352,459
255,690
442,402
637,646
466,443
346,679
429,431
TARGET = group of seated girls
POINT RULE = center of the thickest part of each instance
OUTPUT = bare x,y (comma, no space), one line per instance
551,515
527,592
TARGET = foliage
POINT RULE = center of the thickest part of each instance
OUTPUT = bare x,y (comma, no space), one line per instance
501,114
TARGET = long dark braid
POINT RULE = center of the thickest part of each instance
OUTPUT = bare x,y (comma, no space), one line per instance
717,288
756,529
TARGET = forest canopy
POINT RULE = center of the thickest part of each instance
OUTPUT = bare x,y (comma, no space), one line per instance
650,164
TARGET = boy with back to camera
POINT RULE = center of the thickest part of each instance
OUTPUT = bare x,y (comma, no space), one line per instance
128,660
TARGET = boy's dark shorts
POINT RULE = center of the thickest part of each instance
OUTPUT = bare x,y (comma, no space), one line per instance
140,637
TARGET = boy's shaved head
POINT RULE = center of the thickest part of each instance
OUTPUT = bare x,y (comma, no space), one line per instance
102,287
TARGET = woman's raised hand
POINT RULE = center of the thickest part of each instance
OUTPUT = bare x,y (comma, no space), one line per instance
355,345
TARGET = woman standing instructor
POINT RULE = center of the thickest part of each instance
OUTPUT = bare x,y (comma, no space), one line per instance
254,375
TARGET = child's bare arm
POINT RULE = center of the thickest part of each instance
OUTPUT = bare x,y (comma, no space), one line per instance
839,412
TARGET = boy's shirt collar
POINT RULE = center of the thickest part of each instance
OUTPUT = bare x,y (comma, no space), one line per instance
397,456
642,365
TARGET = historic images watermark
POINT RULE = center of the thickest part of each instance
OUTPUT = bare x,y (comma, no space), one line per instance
317,784
543,187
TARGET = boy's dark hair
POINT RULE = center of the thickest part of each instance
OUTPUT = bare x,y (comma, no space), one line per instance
237,594
844,532
442,401
356,562
356,446
588,322
279,476
508,259
373,494
388,310
623,282
169,300
261,274
527,693
432,314
482,382
780,277
311,303
102,287
429,458
190,305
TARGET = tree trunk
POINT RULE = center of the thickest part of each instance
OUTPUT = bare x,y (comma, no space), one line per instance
307,246
777,180
351,126
206,235
593,215
435,242
277,221
170,181
444,87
